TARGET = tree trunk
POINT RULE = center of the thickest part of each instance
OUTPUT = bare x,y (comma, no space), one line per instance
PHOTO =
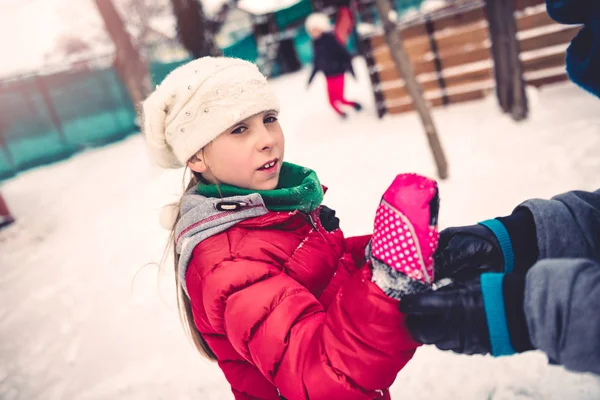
195,32
140,8
406,71
128,62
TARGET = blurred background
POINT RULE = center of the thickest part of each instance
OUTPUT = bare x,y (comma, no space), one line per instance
87,309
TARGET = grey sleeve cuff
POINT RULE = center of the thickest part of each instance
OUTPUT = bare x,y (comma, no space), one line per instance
562,299
568,225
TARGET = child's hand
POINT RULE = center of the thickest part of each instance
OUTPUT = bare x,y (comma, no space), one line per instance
405,236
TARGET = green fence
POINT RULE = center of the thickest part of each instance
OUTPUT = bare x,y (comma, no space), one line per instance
245,48
158,71
49,117
46,118
293,14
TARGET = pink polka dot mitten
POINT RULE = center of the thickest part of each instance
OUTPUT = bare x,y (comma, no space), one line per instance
405,236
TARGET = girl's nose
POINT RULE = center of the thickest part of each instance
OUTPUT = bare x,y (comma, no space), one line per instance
266,139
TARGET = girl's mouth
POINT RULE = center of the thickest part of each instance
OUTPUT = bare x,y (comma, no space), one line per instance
269,166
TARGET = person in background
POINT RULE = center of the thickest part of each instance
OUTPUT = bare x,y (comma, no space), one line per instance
333,59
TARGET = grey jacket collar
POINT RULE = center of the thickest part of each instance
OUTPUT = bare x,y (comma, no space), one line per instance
203,217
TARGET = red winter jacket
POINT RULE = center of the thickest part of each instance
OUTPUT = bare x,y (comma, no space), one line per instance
289,313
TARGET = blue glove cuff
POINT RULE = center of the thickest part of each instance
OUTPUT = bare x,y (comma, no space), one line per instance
495,313
503,238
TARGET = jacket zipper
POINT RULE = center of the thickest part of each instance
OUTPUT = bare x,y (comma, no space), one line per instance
280,395
311,220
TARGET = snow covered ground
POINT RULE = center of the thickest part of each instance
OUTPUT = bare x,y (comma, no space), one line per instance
84,316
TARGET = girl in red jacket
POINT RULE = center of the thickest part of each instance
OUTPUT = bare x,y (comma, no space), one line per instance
268,286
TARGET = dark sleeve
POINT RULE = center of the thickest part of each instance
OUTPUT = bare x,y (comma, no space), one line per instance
562,310
554,308
312,74
341,53
569,11
520,226
315,63
338,49
568,225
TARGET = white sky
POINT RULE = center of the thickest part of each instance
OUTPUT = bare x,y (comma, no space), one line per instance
29,28
264,6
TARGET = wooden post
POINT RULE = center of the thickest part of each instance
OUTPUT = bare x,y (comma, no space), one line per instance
405,69
520,107
510,86
128,62
366,50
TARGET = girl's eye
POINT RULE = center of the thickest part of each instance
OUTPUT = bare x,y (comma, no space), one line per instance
238,130
270,119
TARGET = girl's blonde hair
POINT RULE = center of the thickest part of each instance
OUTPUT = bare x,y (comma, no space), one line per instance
184,304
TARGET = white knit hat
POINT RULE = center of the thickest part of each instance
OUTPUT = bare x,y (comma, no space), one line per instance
318,21
197,102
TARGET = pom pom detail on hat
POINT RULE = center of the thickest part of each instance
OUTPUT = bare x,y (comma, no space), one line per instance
197,102
168,216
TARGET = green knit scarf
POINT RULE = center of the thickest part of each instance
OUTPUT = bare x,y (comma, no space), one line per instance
298,189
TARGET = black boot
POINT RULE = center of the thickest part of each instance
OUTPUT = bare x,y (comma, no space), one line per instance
357,106
343,115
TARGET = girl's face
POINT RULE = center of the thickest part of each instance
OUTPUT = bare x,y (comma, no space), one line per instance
248,155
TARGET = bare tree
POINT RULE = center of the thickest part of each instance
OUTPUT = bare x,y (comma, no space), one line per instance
129,64
71,45
405,69
194,30
140,15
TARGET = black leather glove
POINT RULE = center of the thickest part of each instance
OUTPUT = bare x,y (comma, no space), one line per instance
452,318
466,252
328,219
